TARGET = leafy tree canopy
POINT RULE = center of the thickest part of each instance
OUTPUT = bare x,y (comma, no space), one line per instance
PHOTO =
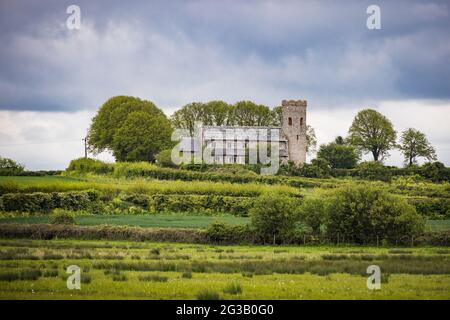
338,154
372,132
414,144
111,129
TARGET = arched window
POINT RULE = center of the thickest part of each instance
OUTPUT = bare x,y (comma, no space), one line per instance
301,121
290,121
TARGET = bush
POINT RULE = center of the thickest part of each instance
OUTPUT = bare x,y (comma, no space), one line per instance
88,165
223,233
152,277
9,167
207,294
435,171
373,170
164,159
186,275
45,202
60,216
313,213
363,212
274,217
233,288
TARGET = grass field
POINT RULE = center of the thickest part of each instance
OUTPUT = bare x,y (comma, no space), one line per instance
130,270
174,220
155,220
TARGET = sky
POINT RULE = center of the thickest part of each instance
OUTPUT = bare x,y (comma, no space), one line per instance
53,79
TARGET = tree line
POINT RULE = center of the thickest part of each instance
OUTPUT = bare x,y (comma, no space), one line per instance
137,130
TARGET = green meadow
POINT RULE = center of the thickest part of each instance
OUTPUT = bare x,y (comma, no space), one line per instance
36,269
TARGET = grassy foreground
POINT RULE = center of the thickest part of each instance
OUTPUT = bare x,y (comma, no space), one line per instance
31,269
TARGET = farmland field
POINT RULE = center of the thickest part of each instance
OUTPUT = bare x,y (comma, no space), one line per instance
155,220
32,269
174,220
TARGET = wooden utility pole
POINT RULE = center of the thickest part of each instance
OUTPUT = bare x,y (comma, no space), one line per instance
85,147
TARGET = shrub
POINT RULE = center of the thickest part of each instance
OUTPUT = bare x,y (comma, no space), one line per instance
373,170
225,233
435,171
88,165
9,167
186,275
313,213
233,288
207,294
60,216
153,277
164,159
363,212
274,217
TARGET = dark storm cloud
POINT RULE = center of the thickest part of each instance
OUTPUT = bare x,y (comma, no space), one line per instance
179,51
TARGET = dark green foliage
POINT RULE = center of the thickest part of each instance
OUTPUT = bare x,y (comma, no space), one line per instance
88,165
363,212
313,213
339,155
223,233
164,159
200,203
436,171
274,217
233,288
207,294
186,275
9,167
45,202
60,216
431,208
133,129
153,277
372,132
373,170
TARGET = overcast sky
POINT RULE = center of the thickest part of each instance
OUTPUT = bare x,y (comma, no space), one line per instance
52,79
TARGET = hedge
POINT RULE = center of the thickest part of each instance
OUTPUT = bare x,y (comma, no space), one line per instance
107,232
215,234
144,169
45,202
95,202
433,208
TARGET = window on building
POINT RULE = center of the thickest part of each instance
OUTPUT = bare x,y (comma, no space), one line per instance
297,137
290,121
301,121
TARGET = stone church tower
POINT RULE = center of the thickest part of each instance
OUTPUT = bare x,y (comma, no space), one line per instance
294,129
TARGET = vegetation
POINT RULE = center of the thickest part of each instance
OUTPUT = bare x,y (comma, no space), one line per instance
9,167
372,132
325,272
338,154
59,216
133,129
273,217
364,213
414,144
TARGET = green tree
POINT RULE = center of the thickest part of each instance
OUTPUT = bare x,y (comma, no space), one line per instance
372,132
141,137
247,113
313,213
338,154
112,115
413,144
274,217
164,159
9,167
